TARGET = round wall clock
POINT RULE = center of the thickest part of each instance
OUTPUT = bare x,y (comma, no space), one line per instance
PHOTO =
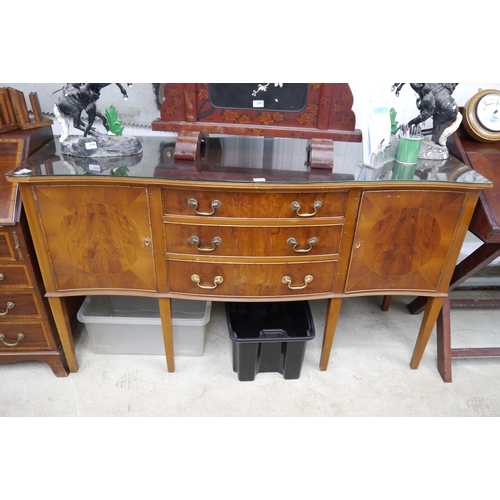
481,117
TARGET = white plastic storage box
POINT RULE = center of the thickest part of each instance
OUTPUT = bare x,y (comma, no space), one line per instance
132,325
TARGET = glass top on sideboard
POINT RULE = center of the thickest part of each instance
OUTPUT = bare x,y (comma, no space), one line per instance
241,159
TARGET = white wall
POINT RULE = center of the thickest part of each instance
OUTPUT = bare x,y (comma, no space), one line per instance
405,103
140,109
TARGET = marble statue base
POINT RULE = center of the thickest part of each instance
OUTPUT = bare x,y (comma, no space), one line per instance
101,147
432,151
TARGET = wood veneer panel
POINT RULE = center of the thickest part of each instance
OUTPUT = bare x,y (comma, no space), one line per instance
402,240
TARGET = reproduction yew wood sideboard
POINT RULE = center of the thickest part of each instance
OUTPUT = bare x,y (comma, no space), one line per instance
248,220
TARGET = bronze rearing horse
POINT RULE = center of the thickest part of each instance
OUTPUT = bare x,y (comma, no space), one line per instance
79,97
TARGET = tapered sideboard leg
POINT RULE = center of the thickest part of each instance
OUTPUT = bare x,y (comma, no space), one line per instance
63,324
443,332
166,324
432,309
332,316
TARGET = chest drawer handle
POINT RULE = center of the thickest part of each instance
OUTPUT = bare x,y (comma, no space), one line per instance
2,276
10,305
217,281
288,281
293,243
20,336
296,207
215,243
215,204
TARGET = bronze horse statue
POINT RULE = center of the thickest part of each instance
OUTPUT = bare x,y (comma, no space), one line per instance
79,97
435,101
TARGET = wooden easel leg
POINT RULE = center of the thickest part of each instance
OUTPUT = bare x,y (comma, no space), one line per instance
472,264
166,324
431,313
443,330
417,305
63,324
332,316
35,106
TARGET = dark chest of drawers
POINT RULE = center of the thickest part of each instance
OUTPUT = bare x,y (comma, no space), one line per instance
27,330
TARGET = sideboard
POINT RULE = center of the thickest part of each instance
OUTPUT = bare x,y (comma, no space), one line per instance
248,220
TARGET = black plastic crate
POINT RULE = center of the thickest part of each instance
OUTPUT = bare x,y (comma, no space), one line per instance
269,337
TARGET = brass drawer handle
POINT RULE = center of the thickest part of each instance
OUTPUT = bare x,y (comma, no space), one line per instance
2,276
20,336
215,204
288,281
296,207
216,241
10,305
217,281
293,243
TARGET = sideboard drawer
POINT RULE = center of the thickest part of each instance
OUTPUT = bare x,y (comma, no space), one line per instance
19,336
251,280
17,305
252,241
14,276
263,205
6,247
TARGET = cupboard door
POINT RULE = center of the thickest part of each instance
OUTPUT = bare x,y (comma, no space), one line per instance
402,240
97,237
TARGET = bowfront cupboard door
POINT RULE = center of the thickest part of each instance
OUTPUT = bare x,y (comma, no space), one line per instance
402,240
97,237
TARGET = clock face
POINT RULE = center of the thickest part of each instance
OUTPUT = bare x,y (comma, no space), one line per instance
481,118
488,112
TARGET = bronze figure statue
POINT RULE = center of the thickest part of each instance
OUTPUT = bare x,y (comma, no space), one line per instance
79,97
